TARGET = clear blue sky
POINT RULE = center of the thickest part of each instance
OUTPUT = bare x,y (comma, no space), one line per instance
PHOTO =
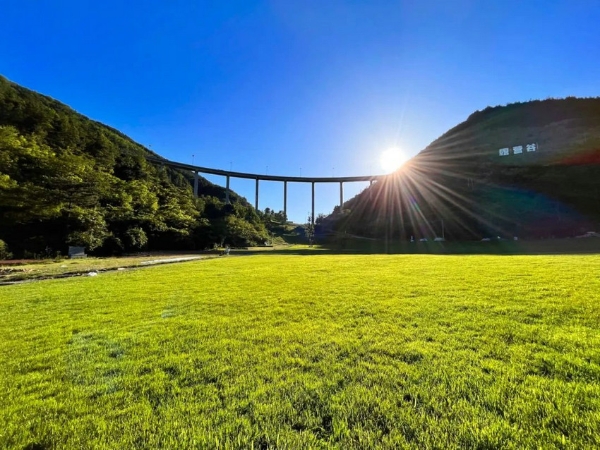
321,86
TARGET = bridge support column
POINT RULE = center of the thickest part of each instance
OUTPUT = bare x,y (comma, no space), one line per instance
312,215
341,195
227,191
256,196
370,190
196,184
285,199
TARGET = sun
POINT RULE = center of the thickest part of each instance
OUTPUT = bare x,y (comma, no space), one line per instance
391,160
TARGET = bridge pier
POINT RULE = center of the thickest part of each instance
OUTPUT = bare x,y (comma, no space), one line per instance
196,184
341,195
285,199
312,215
256,196
227,191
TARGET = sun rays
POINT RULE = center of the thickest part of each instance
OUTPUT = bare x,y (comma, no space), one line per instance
392,159
414,201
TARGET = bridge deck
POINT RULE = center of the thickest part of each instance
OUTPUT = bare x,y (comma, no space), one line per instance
255,176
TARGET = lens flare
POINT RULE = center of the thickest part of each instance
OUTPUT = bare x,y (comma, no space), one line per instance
391,160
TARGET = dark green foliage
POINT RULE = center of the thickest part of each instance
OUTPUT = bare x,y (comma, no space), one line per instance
275,222
136,238
4,253
462,180
67,180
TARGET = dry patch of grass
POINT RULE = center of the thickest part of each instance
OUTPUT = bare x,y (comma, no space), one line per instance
63,267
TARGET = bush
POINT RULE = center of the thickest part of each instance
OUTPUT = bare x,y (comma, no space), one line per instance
112,246
4,253
135,239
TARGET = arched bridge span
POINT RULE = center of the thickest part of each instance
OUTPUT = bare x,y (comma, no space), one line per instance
254,176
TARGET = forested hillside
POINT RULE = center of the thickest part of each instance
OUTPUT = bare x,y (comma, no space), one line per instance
68,180
526,169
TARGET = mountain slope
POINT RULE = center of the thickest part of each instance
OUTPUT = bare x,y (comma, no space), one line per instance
526,169
66,179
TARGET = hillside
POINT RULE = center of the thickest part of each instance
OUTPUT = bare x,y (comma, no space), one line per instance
526,169
68,180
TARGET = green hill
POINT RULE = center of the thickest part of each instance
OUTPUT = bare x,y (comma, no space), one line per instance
526,169
66,179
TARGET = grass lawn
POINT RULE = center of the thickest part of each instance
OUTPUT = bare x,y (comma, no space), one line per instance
320,351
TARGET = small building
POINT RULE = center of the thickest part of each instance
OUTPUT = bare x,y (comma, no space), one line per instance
77,252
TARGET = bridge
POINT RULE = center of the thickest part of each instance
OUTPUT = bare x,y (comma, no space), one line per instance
254,176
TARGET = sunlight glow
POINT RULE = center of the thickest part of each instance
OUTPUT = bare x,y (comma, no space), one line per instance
392,159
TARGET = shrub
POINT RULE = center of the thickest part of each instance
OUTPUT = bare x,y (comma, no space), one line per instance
135,239
112,246
4,253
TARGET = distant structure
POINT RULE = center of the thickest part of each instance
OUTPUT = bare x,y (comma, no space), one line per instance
254,176
518,149
77,252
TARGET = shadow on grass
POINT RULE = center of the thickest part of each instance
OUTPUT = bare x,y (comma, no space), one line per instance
36,446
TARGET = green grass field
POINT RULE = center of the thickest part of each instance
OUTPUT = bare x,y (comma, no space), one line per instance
321,351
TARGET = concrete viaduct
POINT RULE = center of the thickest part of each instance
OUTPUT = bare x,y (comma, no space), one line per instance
253,176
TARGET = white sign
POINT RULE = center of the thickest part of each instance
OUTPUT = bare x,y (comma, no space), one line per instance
517,149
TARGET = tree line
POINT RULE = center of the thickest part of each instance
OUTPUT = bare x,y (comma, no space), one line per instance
68,180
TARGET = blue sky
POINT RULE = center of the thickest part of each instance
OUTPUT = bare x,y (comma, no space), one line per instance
313,87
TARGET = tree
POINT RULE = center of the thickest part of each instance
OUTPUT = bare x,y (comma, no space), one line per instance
67,179
4,253
310,230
